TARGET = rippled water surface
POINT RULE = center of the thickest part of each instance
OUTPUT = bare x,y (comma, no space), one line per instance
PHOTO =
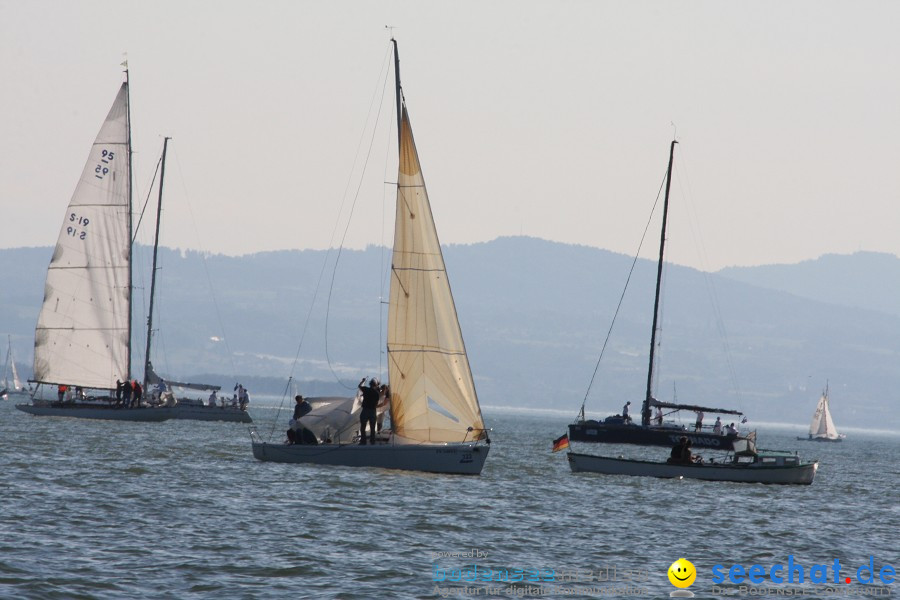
180,509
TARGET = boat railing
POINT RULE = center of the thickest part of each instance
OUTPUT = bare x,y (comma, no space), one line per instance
486,438
254,435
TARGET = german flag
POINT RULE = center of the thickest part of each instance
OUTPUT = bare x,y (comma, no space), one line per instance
561,443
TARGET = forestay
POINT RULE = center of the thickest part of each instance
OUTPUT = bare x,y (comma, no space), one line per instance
82,332
433,396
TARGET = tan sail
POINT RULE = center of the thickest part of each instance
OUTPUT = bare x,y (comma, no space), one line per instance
433,395
82,332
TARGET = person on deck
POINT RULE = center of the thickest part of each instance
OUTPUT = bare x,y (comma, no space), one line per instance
213,399
717,426
369,406
731,430
137,393
677,450
126,393
659,416
698,426
625,416
301,407
243,398
119,387
297,433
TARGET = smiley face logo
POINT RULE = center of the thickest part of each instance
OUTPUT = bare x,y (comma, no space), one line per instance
682,573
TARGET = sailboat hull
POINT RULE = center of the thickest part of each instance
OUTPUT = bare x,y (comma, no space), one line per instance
229,414
94,411
458,459
606,433
802,474
821,439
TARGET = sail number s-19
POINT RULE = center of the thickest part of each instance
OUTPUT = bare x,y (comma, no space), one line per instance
102,168
77,232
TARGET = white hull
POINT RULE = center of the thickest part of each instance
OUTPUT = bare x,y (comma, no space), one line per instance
752,473
94,411
461,459
822,438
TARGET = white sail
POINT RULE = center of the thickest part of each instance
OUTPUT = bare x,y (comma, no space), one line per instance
82,332
17,383
822,425
432,392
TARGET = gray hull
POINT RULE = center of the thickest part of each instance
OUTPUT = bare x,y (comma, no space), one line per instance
798,474
82,411
208,413
460,459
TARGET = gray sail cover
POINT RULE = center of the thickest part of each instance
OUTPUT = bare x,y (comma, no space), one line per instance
82,331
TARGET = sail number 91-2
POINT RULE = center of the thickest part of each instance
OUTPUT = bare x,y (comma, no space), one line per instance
74,231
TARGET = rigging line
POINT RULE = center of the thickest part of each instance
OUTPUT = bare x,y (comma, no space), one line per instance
330,245
382,343
622,296
203,256
284,395
347,229
144,208
707,279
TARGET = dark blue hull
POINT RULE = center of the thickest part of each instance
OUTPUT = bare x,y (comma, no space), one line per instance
609,433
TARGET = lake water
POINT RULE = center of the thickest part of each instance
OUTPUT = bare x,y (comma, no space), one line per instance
181,509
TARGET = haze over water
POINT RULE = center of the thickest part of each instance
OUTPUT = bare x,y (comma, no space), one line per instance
181,509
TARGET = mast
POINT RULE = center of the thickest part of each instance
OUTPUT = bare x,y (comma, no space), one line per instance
399,90
645,409
162,177
130,224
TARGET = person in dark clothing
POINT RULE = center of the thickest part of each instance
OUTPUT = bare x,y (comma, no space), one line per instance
126,394
678,450
297,433
301,407
119,386
137,392
368,413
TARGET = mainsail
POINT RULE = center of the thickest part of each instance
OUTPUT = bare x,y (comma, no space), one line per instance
432,392
82,334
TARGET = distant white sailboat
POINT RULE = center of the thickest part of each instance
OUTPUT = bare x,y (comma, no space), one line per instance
436,420
822,428
83,335
12,389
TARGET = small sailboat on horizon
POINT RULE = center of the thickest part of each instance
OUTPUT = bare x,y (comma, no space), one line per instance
822,428
14,388
436,421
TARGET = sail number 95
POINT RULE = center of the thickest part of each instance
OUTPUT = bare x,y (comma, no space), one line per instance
102,168
77,230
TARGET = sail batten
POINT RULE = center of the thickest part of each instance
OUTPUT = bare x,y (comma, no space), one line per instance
82,332
433,396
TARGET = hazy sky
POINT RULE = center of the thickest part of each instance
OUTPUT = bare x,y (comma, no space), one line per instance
548,119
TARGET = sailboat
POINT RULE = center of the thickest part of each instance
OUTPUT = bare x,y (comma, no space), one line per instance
436,421
14,388
619,429
82,341
163,390
822,427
